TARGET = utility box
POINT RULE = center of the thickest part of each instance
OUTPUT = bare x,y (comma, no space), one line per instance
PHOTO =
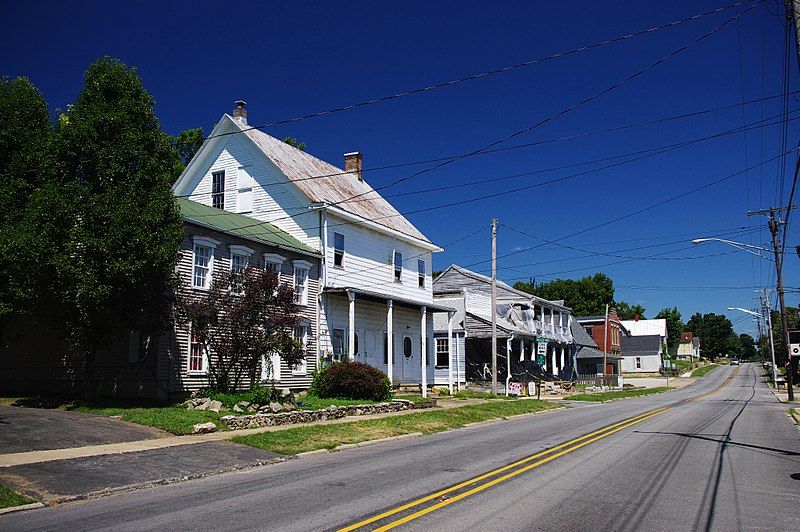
794,342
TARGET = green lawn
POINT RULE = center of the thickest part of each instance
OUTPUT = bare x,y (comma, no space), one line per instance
9,497
607,396
699,372
173,418
302,439
470,394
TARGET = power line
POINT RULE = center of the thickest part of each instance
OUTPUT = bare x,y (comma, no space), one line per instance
492,72
650,207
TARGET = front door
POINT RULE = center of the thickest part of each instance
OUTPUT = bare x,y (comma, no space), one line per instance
371,349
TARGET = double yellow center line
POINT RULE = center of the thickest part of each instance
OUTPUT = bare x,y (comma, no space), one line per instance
408,512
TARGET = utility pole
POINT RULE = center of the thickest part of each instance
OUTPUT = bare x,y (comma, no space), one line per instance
765,307
793,14
494,306
774,227
605,344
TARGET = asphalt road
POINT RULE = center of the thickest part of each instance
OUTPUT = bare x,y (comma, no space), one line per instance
729,460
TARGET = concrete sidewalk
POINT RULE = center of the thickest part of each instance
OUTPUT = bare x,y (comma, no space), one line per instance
49,455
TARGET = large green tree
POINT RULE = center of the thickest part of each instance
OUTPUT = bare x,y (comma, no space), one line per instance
793,319
675,327
24,132
716,334
748,344
186,144
626,311
114,242
586,296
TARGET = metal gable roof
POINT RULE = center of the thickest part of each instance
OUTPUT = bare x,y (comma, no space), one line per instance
336,187
641,345
240,225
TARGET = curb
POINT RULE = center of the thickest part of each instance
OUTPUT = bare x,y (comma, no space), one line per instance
22,508
365,443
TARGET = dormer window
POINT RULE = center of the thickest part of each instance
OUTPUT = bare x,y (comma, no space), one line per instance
218,190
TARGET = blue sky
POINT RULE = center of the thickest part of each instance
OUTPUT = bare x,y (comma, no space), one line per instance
289,59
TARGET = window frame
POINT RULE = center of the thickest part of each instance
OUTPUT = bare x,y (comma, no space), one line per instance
218,196
190,355
398,266
408,347
199,242
305,267
338,253
277,260
637,362
446,351
421,272
301,369
342,349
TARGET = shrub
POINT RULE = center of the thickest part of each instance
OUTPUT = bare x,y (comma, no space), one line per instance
351,380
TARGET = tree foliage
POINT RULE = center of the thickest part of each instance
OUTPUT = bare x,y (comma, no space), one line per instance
626,311
716,334
238,320
793,319
106,223
586,296
291,141
748,344
186,144
675,327
24,132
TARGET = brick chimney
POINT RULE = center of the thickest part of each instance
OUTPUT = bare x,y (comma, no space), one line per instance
352,163
240,111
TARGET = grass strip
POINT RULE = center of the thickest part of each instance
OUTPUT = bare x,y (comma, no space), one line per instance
176,419
10,498
304,439
620,394
699,372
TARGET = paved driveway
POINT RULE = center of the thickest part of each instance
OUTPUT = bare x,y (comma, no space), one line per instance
35,429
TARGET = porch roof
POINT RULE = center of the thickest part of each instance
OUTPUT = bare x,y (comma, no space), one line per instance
376,296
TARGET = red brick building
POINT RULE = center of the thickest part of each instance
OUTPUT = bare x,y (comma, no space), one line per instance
609,343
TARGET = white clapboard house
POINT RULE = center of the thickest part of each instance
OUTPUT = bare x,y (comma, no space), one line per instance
376,300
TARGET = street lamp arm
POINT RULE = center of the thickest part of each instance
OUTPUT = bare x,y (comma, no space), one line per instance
738,245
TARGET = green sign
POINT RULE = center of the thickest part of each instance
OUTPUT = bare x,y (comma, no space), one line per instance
540,359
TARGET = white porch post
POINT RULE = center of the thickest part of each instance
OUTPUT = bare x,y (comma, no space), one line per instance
552,322
351,340
508,361
563,358
389,340
423,355
450,316
458,368
521,350
553,367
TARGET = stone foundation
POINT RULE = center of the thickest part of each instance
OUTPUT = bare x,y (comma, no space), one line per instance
332,412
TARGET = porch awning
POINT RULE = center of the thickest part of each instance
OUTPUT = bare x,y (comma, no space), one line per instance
376,296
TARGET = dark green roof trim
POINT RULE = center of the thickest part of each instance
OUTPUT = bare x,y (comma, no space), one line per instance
241,226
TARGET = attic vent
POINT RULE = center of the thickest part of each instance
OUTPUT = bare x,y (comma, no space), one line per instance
240,111
352,163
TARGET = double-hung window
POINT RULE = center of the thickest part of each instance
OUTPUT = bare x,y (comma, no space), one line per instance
421,272
398,267
442,353
638,362
301,335
273,263
338,250
337,342
218,189
240,260
197,356
203,262
301,269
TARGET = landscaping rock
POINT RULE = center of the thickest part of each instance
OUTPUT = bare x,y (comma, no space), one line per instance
204,428
276,407
237,408
288,407
215,406
202,404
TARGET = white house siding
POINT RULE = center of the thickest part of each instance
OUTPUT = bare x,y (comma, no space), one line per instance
370,327
369,263
274,199
181,380
441,376
650,364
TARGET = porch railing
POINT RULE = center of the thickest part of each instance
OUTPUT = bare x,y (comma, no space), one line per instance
599,380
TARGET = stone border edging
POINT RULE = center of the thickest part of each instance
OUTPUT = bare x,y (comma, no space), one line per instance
254,421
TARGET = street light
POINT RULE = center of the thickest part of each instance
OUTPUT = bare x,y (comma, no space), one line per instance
738,245
774,226
771,341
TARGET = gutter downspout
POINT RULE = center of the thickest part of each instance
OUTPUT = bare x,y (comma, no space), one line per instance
508,360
